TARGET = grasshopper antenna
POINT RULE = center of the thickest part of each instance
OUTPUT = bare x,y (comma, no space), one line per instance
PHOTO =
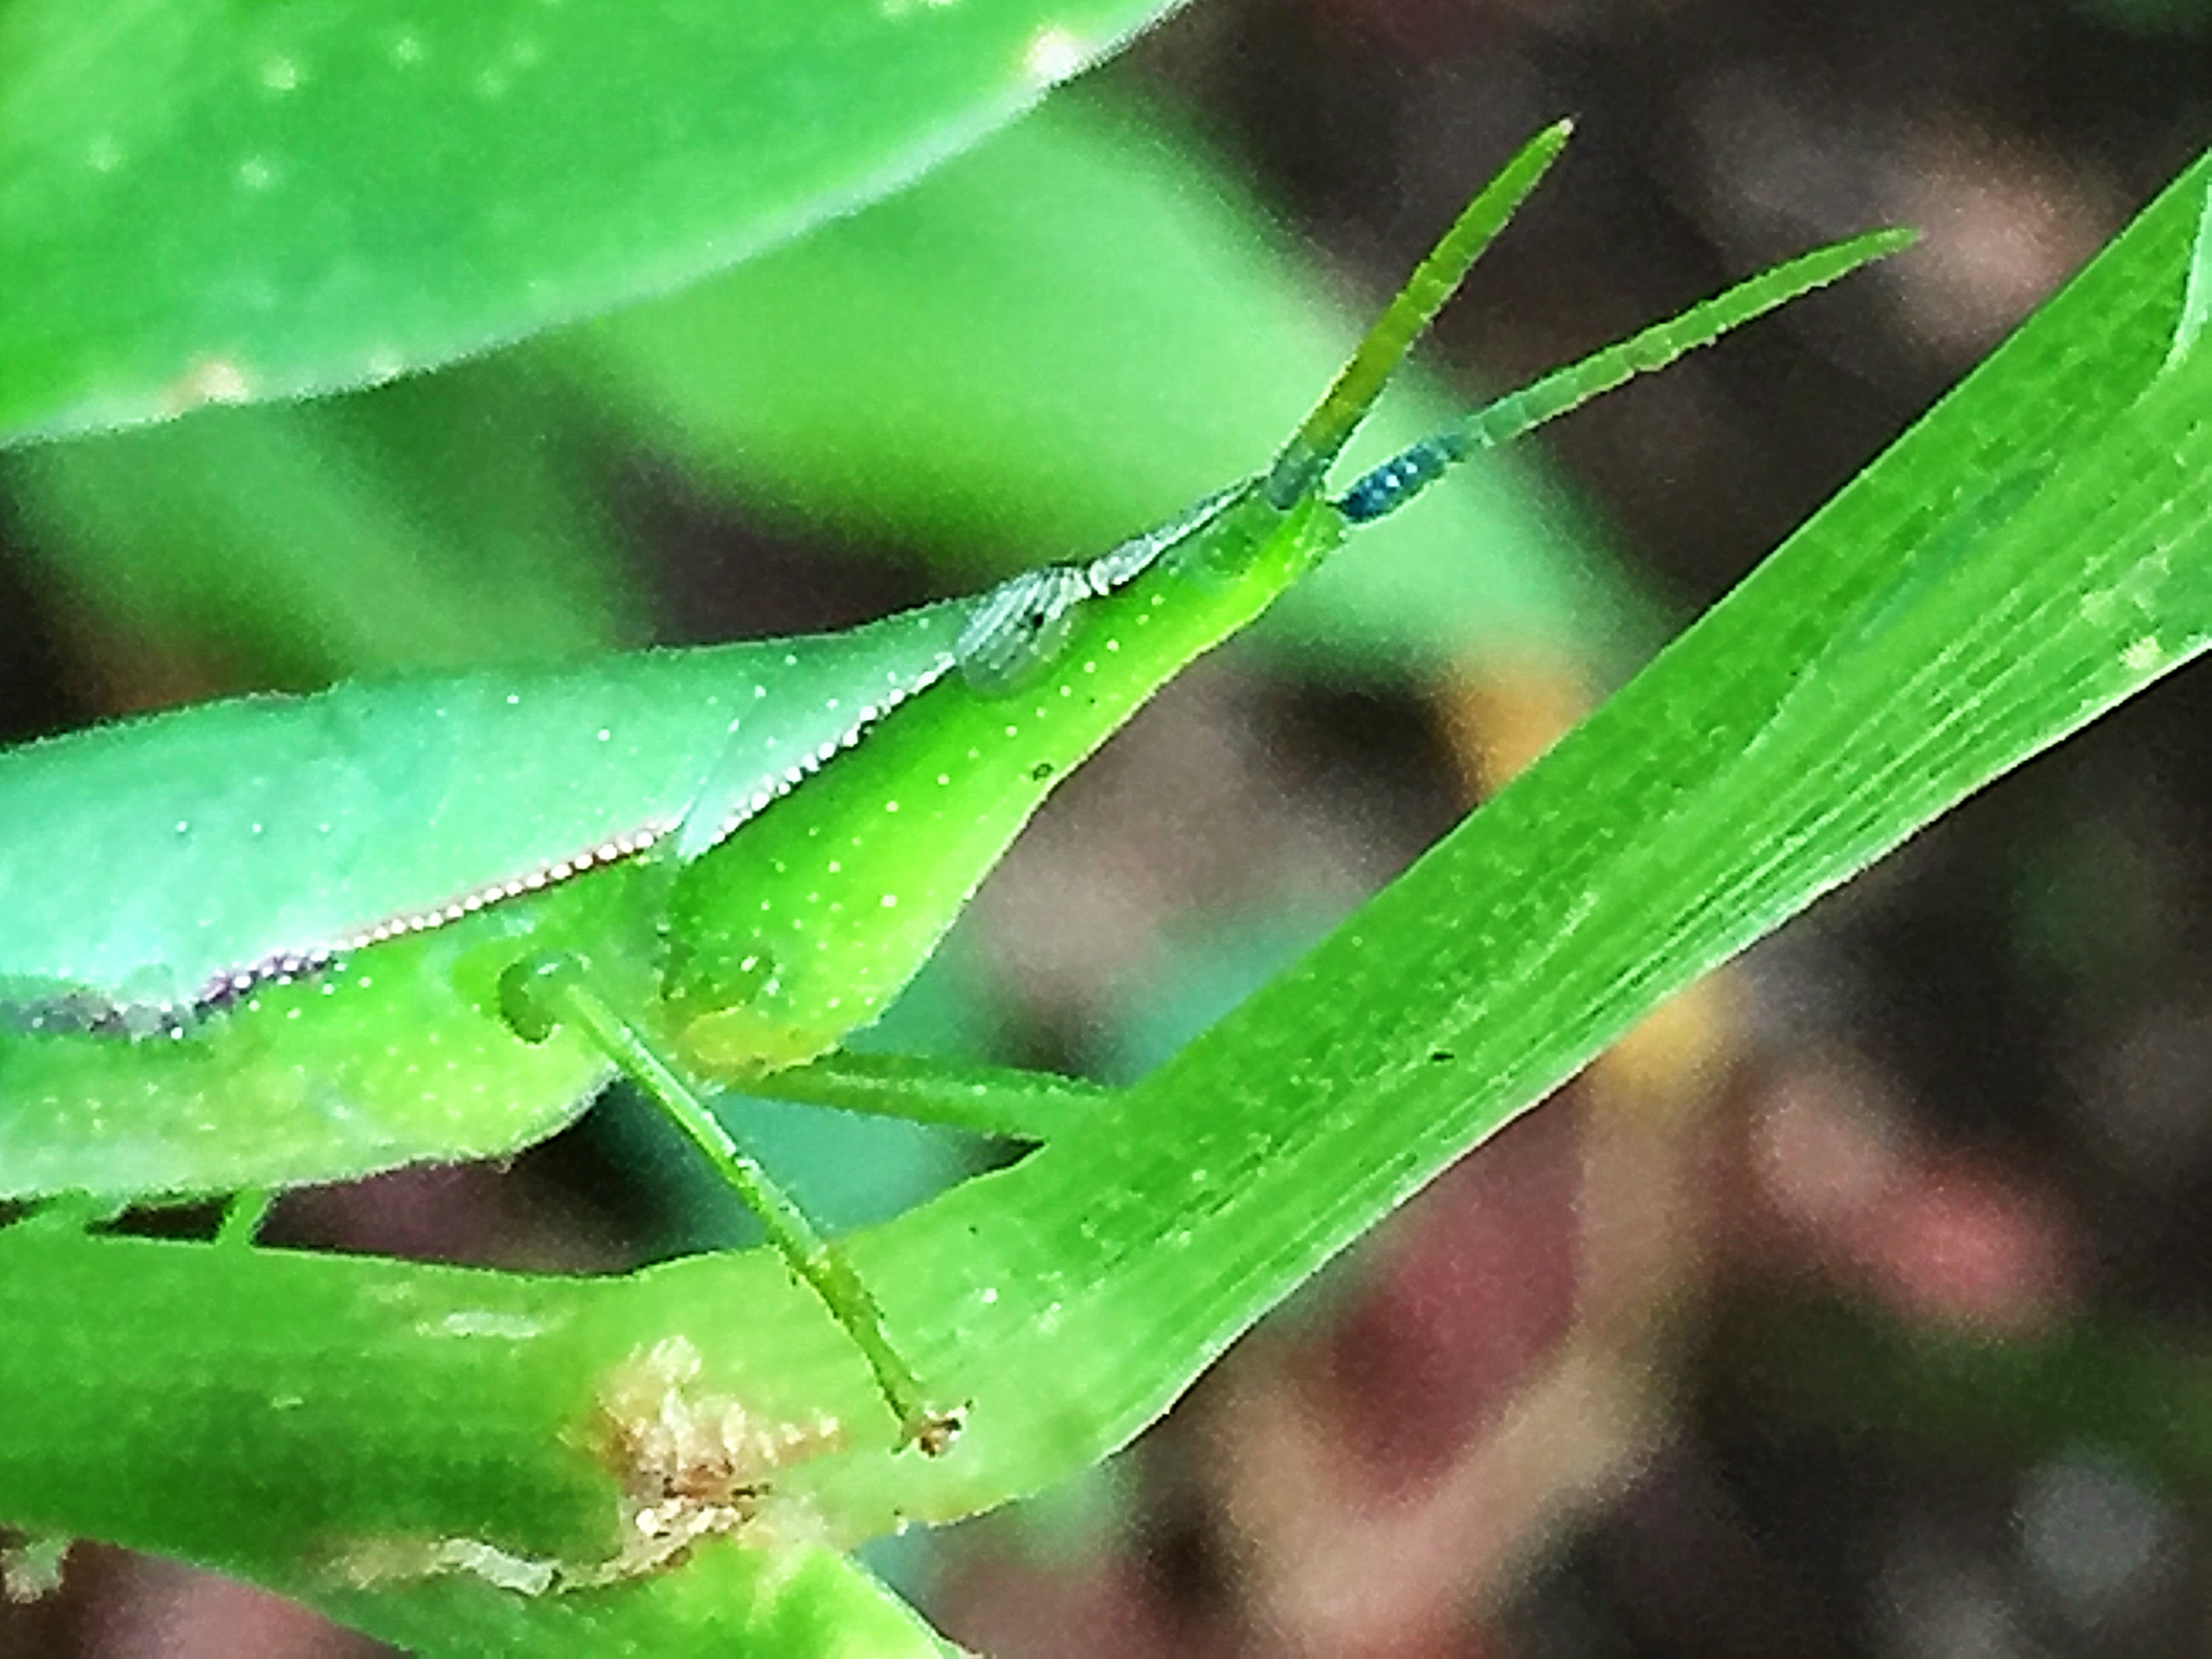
1318,442
1398,480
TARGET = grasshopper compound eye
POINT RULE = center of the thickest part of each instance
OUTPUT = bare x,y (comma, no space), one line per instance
1018,628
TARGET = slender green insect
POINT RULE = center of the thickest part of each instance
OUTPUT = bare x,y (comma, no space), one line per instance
270,941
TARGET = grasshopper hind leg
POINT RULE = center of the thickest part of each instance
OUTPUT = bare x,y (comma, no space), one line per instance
540,995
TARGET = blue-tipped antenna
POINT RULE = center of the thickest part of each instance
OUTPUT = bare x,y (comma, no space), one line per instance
1398,480
1317,443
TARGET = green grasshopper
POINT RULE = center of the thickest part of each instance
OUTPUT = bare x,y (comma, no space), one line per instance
270,941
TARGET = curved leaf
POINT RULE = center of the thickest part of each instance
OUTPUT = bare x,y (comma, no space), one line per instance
440,523
202,201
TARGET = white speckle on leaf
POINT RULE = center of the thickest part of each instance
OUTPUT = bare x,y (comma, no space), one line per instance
254,173
1052,55
210,380
407,48
103,154
483,1321
367,1566
31,1570
280,74
692,1464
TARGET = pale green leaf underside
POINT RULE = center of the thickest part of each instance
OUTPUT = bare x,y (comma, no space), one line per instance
444,522
201,201
2036,551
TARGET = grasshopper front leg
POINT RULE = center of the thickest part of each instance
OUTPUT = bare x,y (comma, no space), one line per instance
537,997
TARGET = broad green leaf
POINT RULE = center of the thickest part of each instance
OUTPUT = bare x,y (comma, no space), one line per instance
1070,332
2036,551
435,524
203,201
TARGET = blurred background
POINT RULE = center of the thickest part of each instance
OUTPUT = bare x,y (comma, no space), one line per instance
1852,1306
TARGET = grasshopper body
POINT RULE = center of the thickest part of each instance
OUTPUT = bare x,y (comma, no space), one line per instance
285,978
301,980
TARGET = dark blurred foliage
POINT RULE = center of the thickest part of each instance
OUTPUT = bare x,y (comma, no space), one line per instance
1854,1307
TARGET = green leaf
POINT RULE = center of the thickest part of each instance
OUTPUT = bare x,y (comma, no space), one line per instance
2037,550
434,524
201,201
538,1478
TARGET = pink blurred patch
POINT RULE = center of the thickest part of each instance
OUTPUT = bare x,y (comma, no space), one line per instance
1968,1245
1941,1236
1106,1608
